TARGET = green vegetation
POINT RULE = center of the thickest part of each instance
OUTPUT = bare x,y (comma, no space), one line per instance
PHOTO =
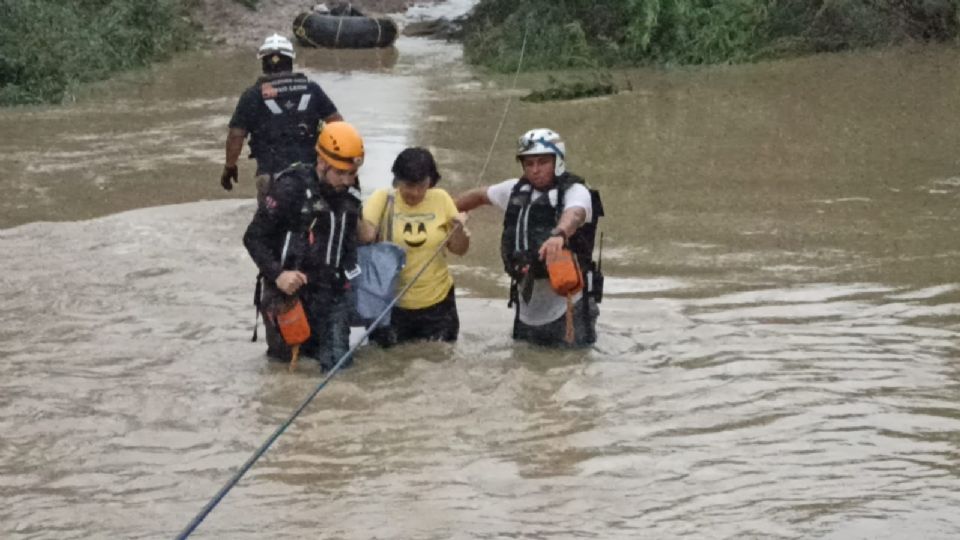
600,84
604,33
47,47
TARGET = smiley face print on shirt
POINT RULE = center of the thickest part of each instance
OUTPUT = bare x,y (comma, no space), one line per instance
414,232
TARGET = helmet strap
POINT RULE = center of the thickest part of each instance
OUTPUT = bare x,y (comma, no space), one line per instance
276,63
551,146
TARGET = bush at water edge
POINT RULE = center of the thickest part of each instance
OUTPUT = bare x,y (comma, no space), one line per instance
47,47
592,33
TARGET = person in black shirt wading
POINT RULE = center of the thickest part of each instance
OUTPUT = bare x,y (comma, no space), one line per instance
281,112
303,239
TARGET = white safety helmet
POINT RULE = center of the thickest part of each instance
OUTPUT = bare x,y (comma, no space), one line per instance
544,141
276,44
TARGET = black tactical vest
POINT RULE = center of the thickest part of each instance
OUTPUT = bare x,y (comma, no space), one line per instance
322,242
287,130
527,224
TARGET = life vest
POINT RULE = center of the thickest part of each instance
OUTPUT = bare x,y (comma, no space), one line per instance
527,224
322,239
289,129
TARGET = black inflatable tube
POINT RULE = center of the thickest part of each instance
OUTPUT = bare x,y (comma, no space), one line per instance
344,32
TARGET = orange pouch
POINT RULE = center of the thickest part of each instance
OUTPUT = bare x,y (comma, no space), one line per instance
293,324
565,276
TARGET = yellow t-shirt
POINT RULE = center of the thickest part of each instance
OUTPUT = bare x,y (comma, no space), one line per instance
419,230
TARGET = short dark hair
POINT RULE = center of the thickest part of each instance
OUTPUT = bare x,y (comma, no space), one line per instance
415,164
276,63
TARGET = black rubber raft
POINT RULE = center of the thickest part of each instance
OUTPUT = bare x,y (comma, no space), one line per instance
344,31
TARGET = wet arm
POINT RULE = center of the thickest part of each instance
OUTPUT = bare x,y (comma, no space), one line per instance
366,231
234,145
371,214
459,241
570,220
474,198
261,234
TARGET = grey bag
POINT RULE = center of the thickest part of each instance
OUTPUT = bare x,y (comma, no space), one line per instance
375,287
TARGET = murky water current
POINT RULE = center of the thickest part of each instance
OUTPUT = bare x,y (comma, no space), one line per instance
778,346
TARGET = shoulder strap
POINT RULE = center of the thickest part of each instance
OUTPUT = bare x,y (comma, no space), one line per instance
519,186
565,182
518,190
292,169
561,198
385,230
390,197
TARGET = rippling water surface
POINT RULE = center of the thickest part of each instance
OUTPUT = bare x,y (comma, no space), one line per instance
778,347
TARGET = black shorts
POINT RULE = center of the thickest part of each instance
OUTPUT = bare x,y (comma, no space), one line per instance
438,322
327,311
552,334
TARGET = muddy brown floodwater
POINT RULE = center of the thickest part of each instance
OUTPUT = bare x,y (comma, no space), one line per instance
778,344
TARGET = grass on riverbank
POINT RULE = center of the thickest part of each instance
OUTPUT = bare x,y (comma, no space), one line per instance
604,33
47,47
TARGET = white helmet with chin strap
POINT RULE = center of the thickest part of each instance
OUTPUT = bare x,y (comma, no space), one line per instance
276,44
544,141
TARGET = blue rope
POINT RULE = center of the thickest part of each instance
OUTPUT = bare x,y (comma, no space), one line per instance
503,118
186,532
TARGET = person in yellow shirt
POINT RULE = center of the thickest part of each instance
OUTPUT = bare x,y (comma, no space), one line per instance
418,216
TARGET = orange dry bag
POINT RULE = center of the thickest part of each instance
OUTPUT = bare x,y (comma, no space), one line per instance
294,328
293,324
565,276
565,280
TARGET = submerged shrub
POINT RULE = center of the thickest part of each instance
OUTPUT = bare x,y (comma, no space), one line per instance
601,84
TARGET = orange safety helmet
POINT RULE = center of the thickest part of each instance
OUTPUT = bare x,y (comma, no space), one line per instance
340,145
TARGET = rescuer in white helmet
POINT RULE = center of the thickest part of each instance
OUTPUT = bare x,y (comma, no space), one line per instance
281,112
546,210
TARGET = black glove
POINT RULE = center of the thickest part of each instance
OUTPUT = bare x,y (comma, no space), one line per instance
228,177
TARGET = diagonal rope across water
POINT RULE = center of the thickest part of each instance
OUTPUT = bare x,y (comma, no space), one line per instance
247,465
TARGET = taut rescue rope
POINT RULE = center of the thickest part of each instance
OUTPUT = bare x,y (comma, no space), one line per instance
336,40
503,118
192,526
247,465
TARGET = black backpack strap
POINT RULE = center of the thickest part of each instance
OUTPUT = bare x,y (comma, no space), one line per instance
596,203
561,198
518,189
257,293
515,304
